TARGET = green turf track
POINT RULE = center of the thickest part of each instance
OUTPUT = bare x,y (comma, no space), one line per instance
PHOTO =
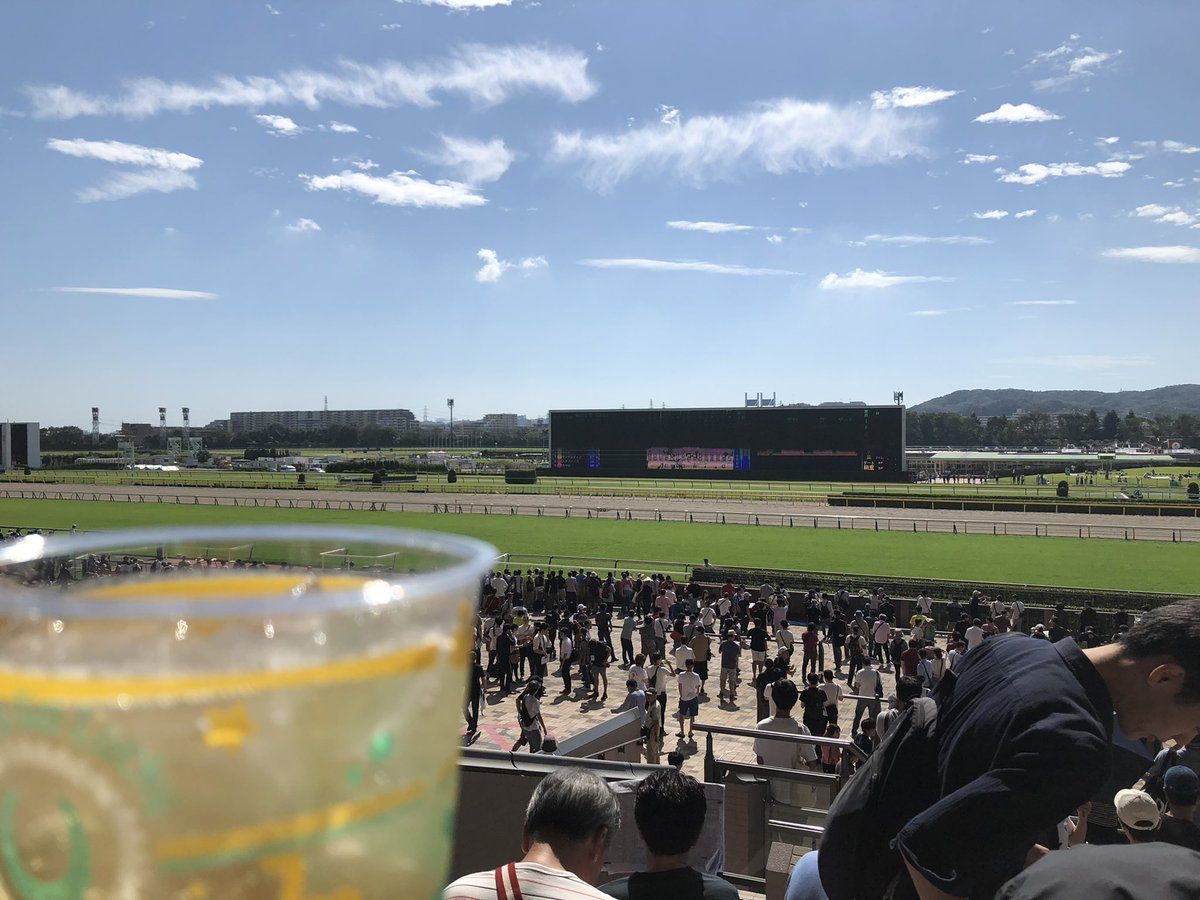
1100,563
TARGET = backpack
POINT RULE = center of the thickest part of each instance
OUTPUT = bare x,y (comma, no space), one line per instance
858,858
523,715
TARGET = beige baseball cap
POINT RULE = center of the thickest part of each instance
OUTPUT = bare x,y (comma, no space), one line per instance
1137,810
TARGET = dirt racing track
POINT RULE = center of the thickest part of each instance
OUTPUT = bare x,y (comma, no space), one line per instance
780,513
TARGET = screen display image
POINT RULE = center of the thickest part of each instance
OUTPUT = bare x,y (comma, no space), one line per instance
844,443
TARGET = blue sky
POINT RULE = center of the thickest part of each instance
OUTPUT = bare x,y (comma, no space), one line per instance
529,205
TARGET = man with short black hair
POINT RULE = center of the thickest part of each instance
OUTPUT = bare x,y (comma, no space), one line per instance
669,809
569,822
1178,826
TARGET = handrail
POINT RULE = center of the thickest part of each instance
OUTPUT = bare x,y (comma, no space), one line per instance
812,830
734,731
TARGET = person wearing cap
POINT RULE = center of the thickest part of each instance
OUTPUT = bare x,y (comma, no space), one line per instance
1138,814
1178,826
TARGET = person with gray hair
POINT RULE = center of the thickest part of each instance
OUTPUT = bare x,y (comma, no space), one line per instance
569,822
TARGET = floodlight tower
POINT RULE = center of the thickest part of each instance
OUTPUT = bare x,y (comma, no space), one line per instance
898,398
186,428
162,426
95,425
450,403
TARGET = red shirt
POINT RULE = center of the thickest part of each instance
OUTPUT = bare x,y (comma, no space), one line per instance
908,661
809,640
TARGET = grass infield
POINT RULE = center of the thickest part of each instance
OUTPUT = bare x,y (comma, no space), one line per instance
1068,562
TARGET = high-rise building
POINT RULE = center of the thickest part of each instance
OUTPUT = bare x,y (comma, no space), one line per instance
313,419
20,445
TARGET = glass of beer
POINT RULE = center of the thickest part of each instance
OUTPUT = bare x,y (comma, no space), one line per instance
232,713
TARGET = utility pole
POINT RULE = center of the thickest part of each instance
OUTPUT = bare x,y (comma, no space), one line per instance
450,403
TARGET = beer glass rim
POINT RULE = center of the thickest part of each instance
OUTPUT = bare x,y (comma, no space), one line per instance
469,560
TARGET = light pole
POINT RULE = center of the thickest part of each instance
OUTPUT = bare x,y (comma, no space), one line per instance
450,403
898,398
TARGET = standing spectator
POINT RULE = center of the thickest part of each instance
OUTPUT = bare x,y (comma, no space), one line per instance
785,639
569,823
669,809
566,653
542,647
758,650
506,649
657,676
628,627
600,653
831,754
701,645
730,650
811,644
975,634
856,651
689,697
881,633
910,656
604,626
529,716
908,689
833,696
836,634
524,635
812,700
638,671
869,687
1178,825
785,754
474,695
897,646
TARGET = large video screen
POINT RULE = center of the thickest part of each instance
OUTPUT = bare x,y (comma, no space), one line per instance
843,443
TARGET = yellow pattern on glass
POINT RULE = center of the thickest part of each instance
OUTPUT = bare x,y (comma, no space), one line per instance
289,869
220,587
25,687
227,727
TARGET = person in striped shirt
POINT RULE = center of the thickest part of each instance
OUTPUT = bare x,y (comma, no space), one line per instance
569,823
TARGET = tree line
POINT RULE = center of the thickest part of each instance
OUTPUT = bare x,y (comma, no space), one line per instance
1039,429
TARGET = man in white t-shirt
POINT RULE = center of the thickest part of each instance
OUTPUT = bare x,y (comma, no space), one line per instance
974,635
785,754
1016,614
784,638
689,698
683,654
868,686
573,802
924,605
881,633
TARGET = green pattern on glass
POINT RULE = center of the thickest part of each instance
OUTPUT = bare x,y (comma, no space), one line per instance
381,746
73,883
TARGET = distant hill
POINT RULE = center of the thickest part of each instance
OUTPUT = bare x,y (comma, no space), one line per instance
1173,400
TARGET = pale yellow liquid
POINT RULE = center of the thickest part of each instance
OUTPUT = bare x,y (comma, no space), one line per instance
307,758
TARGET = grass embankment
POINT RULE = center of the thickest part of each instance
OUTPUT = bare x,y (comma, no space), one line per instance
1069,562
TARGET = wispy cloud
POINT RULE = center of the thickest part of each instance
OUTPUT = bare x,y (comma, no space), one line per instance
1025,214
1179,147
992,214
711,227
1020,113
153,293
460,4
1167,215
281,125
161,170
1174,254
861,279
1043,302
1070,63
680,265
1035,173
398,189
774,238
668,115
301,225
974,158
493,267
909,97
778,136
1082,362
913,240
483,74
478,162
342,128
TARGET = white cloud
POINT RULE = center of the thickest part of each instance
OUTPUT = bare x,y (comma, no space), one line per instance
912,240
860,279
1070,63
779,137
1173,184
301,225
909,97
1081,362
1175,254
148,292
668,115
711,227
992,214
1166,215
486,75
125,154
342,128
774,238
121,185
460,4
929,312
363,165
493,267
391,26
1179,147
1035,173
163,170
1044,302
272,10
972,158
1108,140
680,265
1008,113
1025,214
279,125
477,162
398,189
